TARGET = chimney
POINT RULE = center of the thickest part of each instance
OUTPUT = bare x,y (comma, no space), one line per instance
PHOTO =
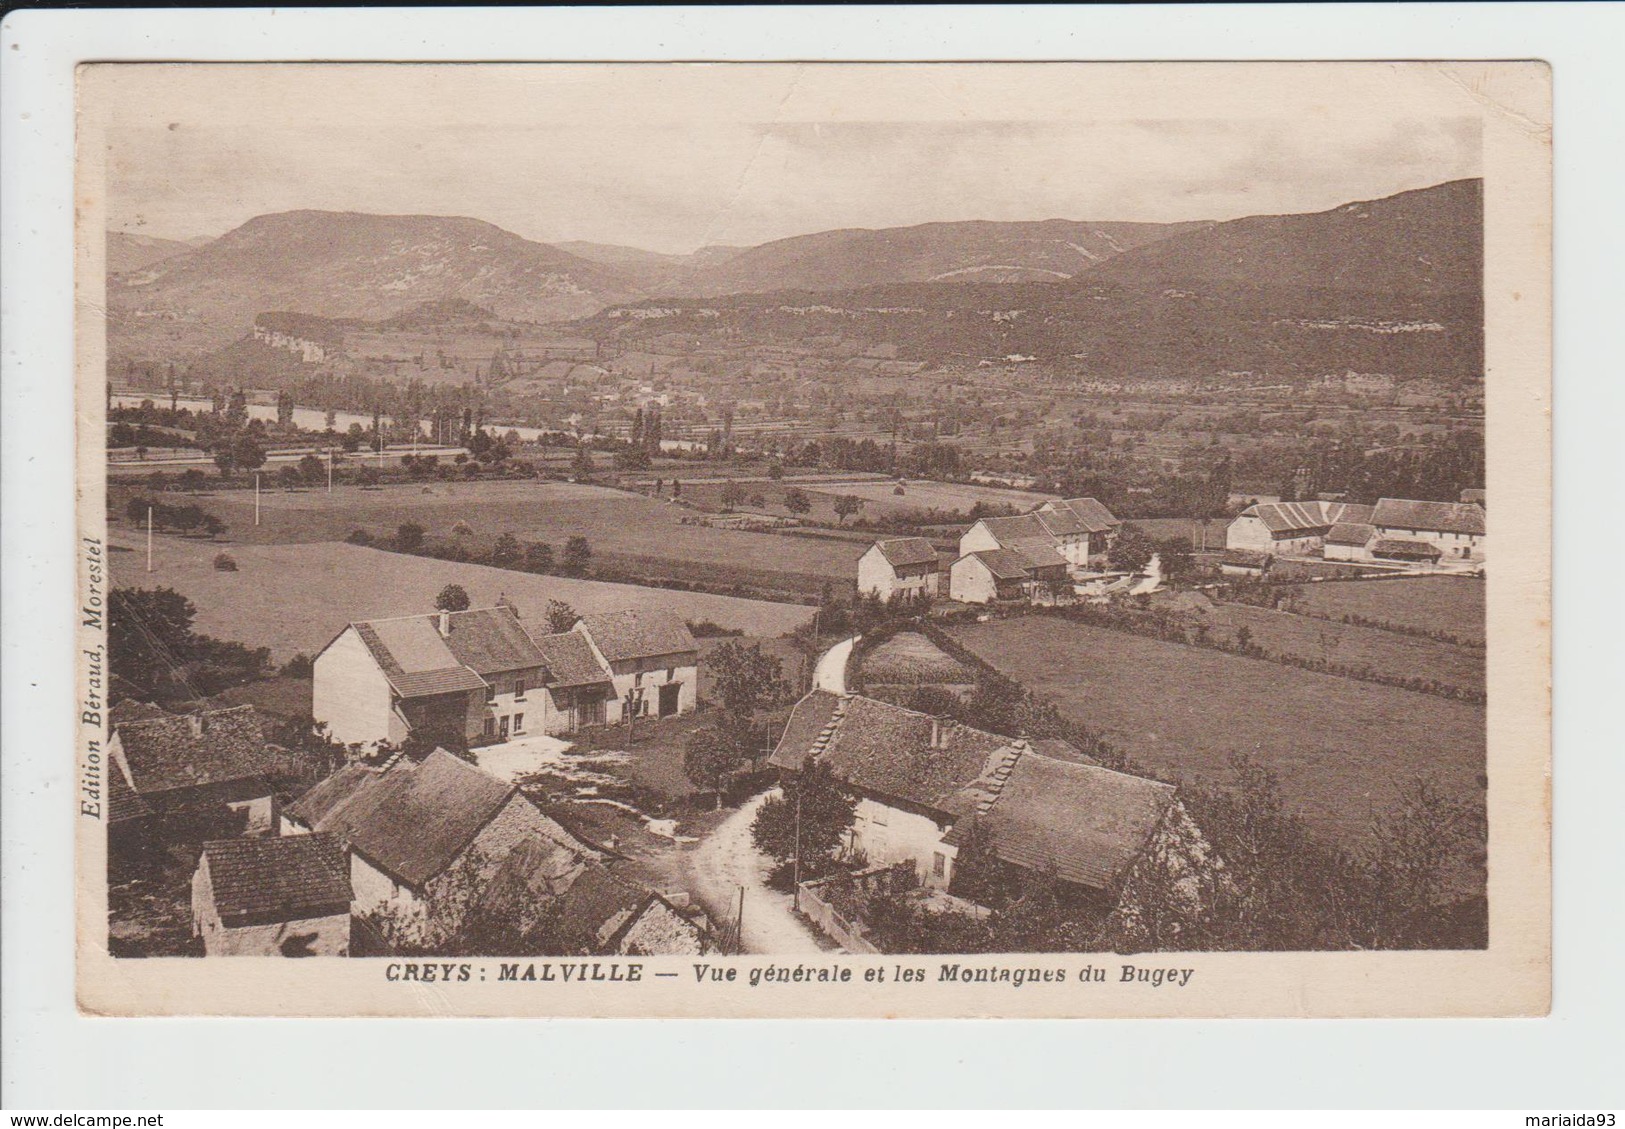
938,732
197,723
445,622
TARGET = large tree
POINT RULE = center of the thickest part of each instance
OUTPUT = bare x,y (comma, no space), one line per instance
745,680
826,813
561,617
452,598
713,754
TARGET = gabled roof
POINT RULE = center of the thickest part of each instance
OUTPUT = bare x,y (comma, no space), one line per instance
570,660
278,879
1022,526
1076,515
411,821
1351,533
808,718
489,640
194,750
907,552
123,803
1433,517
1287,517
415,658
637,634
1085,823
887,751
1004,564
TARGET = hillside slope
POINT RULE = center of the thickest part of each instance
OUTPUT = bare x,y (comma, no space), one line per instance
127,251
347,265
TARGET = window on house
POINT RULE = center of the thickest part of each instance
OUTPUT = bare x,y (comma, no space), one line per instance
518,723
490,691
671,674
490,727
637,679
519,689
938,864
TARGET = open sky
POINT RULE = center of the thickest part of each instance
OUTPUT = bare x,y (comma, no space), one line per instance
671,157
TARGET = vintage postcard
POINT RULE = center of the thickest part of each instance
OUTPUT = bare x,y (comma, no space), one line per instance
804,539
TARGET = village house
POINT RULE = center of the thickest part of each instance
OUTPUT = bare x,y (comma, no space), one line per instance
653,658
420,835
278,896
1078,530
190,777
1290,529
901,568
1406,529
1396,531
459,679
923,783
1003,574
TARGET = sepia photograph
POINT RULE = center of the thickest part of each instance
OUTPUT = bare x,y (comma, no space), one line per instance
685,529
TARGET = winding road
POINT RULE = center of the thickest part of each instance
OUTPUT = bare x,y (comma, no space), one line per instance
727,860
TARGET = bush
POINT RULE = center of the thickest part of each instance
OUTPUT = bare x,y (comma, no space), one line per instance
300,666
225,562
359,537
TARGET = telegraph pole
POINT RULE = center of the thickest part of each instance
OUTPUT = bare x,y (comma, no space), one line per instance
149,538
797,899
330,470
256,497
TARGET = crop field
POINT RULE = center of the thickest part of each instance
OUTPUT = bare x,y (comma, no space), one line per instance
1430,603
909,658
1341,644
881,498
614,522
1339,747
295,598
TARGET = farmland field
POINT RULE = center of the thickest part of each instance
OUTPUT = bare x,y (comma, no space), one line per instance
1341,644
1340,748
295,598
614,522
1432,603
1168,528
910,658
881,498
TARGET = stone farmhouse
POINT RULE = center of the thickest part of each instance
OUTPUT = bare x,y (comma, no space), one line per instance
189,776
1034,551
279,896
902,568
1395,531
415,833
458,679
924,783
426,842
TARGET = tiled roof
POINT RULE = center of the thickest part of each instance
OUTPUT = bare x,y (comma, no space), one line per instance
415,658
192,750
1085,823
1004,564
1294,517
489,640
907,552
638,634
1399,547
808,718
887,751
1005,529
570,661
411,821
1077,515
278,879
1037,552
591,904
1433,517
1351,533
123,803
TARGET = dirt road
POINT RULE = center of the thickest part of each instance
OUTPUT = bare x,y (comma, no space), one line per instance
727,860
830,673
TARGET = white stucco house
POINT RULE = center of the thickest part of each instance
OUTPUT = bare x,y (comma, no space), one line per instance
925,785
901,568
1290,529
479,676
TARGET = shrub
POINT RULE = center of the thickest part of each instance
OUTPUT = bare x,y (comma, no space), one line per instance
359,537
300,666
225,562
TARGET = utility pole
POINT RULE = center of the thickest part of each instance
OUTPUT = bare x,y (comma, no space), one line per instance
739,923
149,538
330,470
797,899
256,497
